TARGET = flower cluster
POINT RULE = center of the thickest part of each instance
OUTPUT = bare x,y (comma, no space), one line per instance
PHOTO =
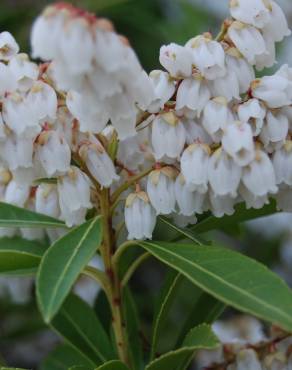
245,346
203,134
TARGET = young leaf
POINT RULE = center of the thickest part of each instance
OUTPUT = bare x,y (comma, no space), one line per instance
241,214
206,309
166,298
230,277
184,232
62,264
19,256
77,323
133,330
200,337
12,216
113,365
64,357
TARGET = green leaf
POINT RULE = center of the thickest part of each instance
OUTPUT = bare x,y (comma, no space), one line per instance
10,368
200,337
77,323
19,256
113,365
62,264
168,295
64,357
185,233
12,216
133,330
241,214
206,309
80,368
230,277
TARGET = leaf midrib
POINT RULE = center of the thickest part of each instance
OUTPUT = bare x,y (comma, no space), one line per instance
216,277
66,267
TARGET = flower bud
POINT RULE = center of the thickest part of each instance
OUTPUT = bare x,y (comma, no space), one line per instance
98,163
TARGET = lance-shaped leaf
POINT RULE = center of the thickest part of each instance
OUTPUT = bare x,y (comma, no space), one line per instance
77,323
64,357
200,337
12,216
62,264
19,256
113,365
230,277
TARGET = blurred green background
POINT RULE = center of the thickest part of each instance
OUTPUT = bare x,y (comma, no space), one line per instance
147,23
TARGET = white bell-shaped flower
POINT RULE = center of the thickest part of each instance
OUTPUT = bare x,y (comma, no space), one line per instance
16,151
92,116
275,129
16,193
183,221
98,162
19,116
237,141
252,112
45,34
42,99
223,174
221,205
208,56
72,218
194,167
160,189
189,202
168,136
253,12
282,162
268,59
47,200
24,71
275,91
123,113
140,216
130,153
192,93
77,46
259,176
195,132
53,152
216,117
247,359
243,70
176,59
8,46
284,199
277,27
251,200
8,81
164,88
32,233
74,190
248,40
227,86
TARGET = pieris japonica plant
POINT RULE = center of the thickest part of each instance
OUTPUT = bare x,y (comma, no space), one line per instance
98,158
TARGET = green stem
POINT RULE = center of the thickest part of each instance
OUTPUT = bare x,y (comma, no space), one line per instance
132,180
114,291
134,267
121,250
